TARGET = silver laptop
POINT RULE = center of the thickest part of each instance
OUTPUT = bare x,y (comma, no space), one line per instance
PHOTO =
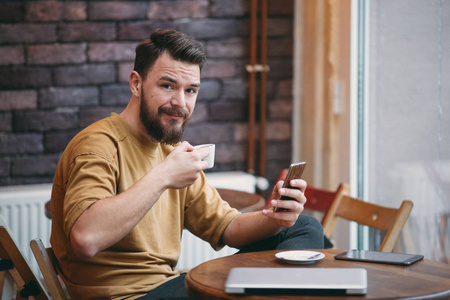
330,281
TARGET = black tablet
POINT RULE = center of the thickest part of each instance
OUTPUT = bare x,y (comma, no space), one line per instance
380,257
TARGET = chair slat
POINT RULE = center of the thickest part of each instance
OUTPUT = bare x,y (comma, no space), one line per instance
391,220
21,273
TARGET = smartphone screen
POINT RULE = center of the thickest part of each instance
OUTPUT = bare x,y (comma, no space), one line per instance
380,257
295,172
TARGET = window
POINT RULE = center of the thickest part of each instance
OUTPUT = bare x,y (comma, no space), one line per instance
405,92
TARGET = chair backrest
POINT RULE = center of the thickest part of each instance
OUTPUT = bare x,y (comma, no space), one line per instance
375,216
319,199
14,265
48,265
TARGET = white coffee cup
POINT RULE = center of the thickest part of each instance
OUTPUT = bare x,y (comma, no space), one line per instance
210,157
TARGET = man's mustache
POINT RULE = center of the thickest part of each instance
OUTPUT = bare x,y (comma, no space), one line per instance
174,112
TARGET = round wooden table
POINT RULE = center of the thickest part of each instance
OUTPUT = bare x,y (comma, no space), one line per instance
425,279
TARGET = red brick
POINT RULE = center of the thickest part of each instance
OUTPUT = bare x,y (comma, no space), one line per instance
57,141
25,180
228,111
12,12
209,90
45,120
212,28
34,165
21,143
24,77
280,47
285,88
279,27
230,153
5,122
114,51
281,109
6,166
91,115
280,69
177,9
87,31
281,7
235,88
74,11
115,94
240,132
233,47
198,133
278,131
279,150
274,165
200,113
13,100
85,74
66,97
27,33
230,8
125,69
139,30
44,11
56,54
219,69
117,10
272,88
11,55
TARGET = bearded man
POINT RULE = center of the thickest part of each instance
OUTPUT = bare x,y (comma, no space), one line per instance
126,187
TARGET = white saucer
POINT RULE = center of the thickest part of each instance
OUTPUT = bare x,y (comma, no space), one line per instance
299,256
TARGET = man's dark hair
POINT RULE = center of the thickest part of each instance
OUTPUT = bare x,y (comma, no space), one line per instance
177,44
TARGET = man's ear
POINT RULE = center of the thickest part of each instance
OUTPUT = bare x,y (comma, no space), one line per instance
135,83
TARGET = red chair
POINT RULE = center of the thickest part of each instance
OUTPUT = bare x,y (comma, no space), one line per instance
321,200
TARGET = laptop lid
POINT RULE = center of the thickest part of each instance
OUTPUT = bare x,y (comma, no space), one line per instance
297,280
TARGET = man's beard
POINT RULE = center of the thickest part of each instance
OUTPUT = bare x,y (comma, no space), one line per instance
172,133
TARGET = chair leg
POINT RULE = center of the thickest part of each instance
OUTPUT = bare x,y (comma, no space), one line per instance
2,282
18,297
6,286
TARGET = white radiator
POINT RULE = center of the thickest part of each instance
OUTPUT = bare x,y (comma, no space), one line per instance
23,211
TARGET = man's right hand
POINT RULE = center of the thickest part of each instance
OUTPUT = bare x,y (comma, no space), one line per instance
182,167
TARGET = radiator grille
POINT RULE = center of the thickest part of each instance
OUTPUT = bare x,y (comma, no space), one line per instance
23,211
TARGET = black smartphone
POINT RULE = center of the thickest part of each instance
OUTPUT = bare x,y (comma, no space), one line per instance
380,257
295,172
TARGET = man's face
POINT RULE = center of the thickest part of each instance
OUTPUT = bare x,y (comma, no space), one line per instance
168,97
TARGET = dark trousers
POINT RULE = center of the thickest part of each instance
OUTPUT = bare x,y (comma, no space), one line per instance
307,233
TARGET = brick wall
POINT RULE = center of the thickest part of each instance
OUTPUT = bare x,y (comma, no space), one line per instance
65,64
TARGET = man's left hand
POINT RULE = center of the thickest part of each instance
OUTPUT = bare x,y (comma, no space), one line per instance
291,208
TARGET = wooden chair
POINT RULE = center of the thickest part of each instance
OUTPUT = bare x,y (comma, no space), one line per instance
320,200
14,269
48,265
375,216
